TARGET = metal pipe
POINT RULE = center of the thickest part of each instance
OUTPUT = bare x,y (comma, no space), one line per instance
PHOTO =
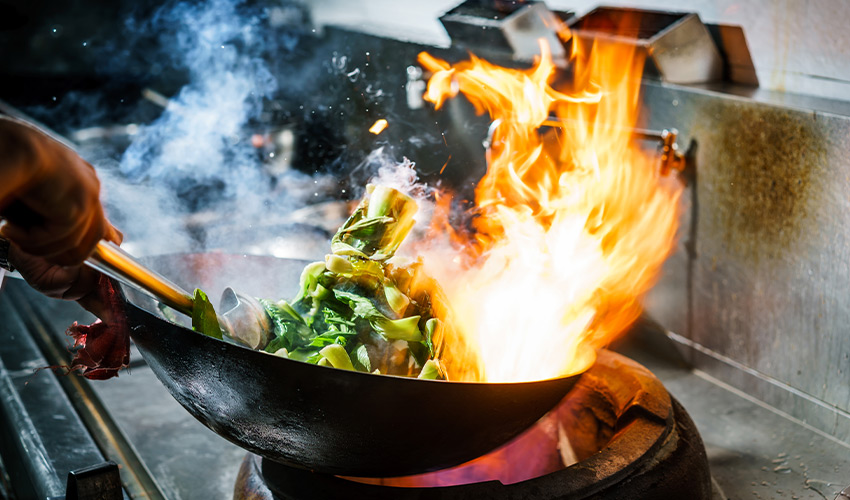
39,469
671,158
107,434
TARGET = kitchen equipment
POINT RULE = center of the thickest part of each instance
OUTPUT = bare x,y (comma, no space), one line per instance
754,292
241,316
109,259
617,430
318,418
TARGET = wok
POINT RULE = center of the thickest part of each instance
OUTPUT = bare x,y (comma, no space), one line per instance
318,418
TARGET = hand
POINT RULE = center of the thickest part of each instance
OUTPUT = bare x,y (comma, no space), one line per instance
49,197
70,283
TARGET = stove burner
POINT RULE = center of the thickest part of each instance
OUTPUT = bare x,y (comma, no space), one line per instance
629,437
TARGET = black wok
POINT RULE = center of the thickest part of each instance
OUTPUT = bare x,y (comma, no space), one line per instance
318,418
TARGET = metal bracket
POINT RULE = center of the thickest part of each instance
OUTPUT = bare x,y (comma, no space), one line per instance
97,482
671,158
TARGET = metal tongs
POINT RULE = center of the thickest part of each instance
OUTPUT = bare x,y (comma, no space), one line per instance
242,317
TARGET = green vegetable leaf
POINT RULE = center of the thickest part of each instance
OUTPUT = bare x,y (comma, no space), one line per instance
332,337
361,355
397,301
378,226
399,329
204,319
431,370
309,278
306,354
364,228
276,344
431,328
361,306
337,356
290,329
335,320
419,351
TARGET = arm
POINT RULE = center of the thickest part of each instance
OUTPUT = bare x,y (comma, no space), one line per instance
49,196
49,203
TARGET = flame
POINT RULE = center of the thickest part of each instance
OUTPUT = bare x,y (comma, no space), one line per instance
572,222
378,126
542,449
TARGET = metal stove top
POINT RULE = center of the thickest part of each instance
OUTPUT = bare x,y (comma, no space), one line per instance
754,451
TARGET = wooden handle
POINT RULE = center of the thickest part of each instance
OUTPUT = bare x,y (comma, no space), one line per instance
116,263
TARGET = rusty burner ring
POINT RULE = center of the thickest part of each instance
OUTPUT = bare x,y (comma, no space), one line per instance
631,440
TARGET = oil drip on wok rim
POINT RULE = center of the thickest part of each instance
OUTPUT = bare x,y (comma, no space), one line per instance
318,418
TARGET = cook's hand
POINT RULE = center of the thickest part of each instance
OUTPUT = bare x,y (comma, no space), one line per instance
70,283
49,197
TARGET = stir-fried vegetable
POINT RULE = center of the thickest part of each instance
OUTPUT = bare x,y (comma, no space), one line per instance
355,310
204,319
378,226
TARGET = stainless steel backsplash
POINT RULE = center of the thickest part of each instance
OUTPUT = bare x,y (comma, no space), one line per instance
758,292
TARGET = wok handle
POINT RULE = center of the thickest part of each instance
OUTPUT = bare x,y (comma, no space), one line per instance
118,264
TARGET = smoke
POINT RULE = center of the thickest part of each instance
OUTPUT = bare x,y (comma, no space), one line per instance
402,175
198,135
146,214
197,155
193,178
389,172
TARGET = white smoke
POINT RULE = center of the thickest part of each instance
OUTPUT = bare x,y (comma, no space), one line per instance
402,176
199,135
198,153
192,178
146,214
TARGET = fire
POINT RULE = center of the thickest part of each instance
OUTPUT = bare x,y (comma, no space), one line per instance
572,221
378,126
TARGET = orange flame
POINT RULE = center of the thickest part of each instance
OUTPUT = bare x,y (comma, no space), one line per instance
378,126
573,222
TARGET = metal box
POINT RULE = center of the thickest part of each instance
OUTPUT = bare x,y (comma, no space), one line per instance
678,46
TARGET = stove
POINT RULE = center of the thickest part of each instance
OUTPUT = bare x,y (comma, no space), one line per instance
750,447
767,398
617,431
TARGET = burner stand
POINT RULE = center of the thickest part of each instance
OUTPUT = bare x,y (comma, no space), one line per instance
631,440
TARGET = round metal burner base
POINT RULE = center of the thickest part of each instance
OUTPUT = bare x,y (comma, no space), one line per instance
631,438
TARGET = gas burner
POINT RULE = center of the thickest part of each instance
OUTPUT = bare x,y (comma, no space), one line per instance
617,432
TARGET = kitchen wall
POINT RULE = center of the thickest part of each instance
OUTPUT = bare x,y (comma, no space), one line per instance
756,295
797,46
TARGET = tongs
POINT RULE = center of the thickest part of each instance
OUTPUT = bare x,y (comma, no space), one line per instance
242,317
